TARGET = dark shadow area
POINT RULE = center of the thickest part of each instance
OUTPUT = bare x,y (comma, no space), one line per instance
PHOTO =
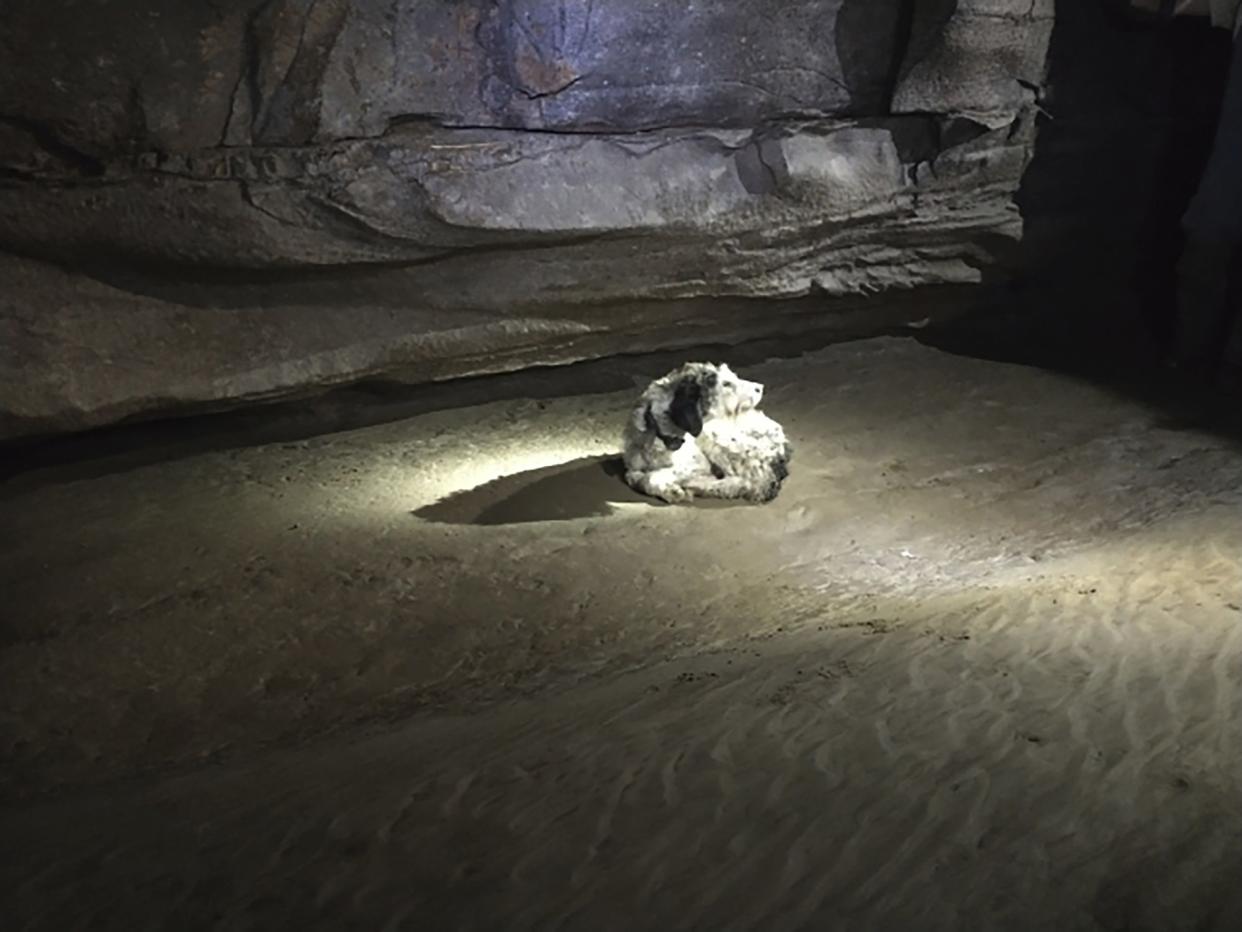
1129,115
911,32
1180,403
583,488
579,489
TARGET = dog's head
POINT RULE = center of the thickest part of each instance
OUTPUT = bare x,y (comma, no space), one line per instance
701,391
735,395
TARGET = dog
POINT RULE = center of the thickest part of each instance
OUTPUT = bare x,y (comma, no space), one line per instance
697,432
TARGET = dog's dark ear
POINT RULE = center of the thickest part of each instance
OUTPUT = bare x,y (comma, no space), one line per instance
672,443
684,409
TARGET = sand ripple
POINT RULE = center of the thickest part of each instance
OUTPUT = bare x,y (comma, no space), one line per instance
1056,752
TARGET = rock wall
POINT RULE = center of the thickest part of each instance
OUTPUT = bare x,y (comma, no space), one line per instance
206,204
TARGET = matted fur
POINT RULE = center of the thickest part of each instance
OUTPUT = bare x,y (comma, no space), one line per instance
697,432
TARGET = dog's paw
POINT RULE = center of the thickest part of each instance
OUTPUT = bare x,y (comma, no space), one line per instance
764,492
674,494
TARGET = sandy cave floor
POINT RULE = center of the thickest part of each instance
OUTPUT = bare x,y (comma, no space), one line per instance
978,667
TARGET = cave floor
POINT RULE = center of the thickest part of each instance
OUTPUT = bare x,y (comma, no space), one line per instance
978,667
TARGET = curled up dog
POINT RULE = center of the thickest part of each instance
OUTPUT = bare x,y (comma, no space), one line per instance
697,432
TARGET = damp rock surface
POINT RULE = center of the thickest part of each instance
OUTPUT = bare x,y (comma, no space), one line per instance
524,181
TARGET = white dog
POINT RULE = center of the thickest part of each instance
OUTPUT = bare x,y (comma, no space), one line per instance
697,432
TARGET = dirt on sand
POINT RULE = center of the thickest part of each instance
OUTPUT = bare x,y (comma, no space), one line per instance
978,667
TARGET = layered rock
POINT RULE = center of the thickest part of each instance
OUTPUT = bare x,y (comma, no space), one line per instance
259,198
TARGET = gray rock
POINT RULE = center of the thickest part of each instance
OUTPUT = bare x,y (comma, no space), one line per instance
981,58
294,194
131,75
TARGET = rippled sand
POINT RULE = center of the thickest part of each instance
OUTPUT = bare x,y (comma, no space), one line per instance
978,667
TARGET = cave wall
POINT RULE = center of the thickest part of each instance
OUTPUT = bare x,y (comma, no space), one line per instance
207,204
